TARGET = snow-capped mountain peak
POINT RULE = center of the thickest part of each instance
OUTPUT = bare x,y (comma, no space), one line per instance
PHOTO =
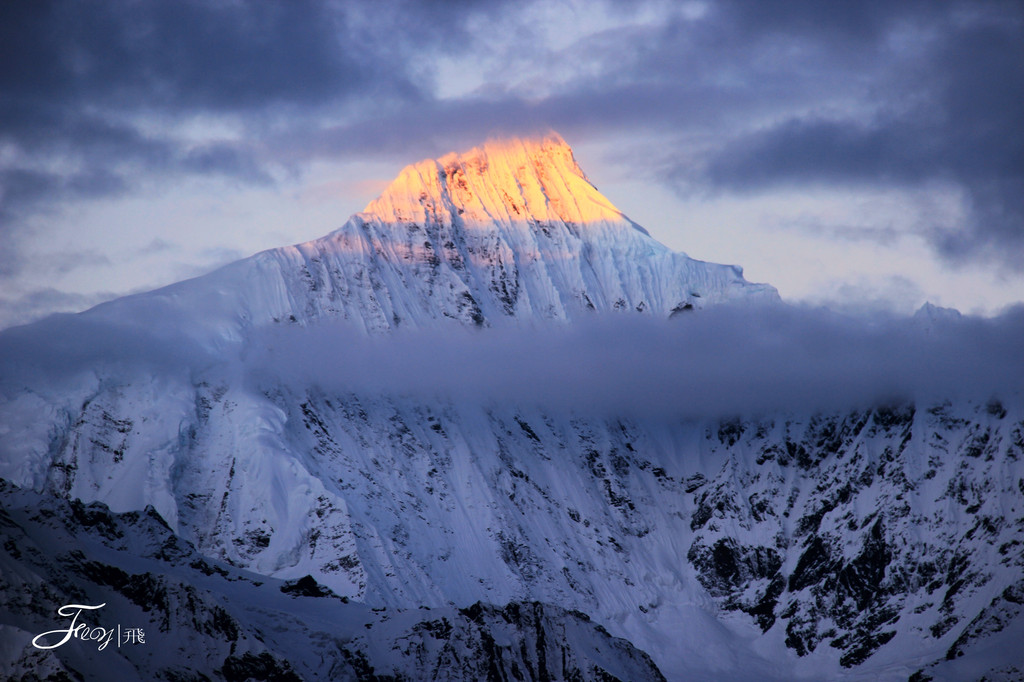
874,542
508,232
506,180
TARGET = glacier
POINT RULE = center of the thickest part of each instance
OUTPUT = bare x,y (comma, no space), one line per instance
882,541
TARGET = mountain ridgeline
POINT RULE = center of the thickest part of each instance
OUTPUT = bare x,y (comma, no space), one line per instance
510,231
262,527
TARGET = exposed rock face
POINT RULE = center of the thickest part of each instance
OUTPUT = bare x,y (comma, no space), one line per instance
797,545
899,522
200,619
840,537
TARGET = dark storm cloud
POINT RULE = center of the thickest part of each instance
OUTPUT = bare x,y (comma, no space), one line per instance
746,97
224,158
753,96
178,55
94,96
947,102
101,85
853,20
439,126
807,151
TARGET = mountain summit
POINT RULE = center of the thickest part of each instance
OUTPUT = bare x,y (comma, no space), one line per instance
509,231
264,512
506,180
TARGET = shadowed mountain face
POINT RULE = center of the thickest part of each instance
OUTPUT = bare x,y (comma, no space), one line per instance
190,617
879,541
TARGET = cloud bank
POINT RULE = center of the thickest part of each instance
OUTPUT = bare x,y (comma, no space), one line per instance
718,363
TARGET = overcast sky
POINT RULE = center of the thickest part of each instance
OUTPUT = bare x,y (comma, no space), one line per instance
863,154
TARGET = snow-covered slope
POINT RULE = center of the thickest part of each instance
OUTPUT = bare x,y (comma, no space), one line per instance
868,544
169,613
512,230
847,540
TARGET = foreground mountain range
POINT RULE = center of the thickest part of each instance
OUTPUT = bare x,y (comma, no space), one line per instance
234,465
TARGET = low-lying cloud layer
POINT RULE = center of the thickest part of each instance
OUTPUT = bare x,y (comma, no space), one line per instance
713,364
716,363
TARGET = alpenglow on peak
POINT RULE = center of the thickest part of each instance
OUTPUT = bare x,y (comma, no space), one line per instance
511,179
508,231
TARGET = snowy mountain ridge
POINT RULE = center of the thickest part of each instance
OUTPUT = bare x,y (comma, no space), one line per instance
509,232
871,543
